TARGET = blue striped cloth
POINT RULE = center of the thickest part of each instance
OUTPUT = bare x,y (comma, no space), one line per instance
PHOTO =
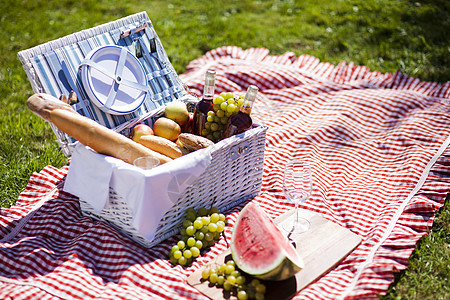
54,66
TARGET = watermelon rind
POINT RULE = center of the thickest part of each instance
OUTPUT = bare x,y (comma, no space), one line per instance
285,261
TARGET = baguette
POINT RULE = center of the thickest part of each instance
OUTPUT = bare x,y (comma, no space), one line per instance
194,142
161,145
88,132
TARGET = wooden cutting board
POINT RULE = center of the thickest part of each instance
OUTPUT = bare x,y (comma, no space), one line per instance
321,248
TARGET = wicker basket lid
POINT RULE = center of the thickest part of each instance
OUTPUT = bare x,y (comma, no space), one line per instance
114,79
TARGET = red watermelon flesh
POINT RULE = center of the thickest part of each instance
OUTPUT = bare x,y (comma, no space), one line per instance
260,249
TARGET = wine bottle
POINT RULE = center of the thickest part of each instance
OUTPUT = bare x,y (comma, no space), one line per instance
205,104
242,121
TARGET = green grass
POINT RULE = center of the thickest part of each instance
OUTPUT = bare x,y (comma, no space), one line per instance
384,35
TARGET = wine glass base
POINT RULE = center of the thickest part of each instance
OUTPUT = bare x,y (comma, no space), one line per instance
296,227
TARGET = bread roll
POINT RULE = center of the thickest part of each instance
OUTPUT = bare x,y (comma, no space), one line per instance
161,145
194,142
88,132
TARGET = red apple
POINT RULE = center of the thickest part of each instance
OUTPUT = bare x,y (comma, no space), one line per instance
140,130
189,126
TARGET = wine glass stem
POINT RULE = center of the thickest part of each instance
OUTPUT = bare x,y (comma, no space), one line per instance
296,213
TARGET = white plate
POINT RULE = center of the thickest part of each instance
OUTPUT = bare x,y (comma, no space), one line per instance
98,84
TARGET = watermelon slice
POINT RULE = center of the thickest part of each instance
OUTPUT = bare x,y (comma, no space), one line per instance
260,249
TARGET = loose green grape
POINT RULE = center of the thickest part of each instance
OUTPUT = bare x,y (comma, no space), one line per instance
214,210
228,95
216,107
220,280
199,235
191,216
205,273
177,254
206,220
213,277
214,126
235,273
181,245
242,295
190,230
209,236
214,217
222,217
210,118
220,224
229,269
206,131
227,286
222,268
199,244
191,210
187,223
191,242
231,108
231,279
224,106
198,224
187,253
173,260
195,251
218,100
202,211
231,263
204,229
220,113
220,229
255,282
240,280
260,288
212,227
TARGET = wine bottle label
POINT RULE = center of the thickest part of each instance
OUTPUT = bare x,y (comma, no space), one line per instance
247,109
230,130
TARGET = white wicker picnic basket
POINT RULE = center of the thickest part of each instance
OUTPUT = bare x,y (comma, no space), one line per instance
53,68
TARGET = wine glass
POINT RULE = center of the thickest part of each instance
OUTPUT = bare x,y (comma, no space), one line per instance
146,162
297,186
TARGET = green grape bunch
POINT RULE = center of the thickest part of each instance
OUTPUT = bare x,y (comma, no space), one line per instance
225,106
201,229
234,281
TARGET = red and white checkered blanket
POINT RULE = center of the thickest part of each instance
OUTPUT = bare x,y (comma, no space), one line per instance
377,144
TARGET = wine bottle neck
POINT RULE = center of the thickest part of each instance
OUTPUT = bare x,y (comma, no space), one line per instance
210,78
208,91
